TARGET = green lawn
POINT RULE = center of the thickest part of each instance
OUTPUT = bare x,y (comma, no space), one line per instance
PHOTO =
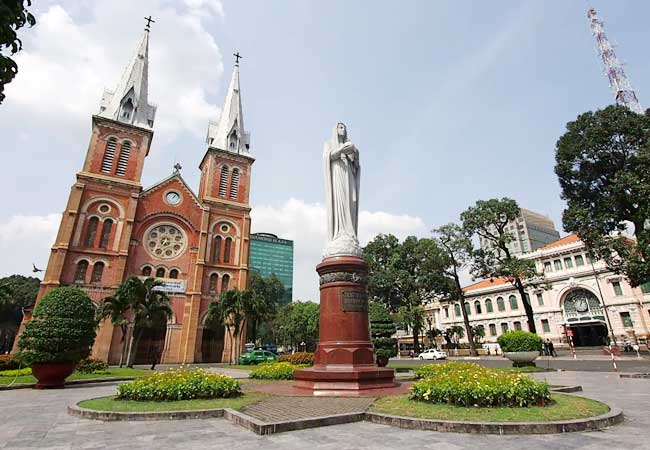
113,404
112,373
563,407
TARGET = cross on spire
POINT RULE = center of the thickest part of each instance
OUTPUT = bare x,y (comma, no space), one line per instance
149,21
237,57
177,168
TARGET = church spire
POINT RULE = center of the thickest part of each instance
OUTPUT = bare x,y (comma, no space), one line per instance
228,132
129,102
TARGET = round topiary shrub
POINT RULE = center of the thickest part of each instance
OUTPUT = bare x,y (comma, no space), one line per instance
520,341
300,358
382,328
274,371
62,329
180,384
472,385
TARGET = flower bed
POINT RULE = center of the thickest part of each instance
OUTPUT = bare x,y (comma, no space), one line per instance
467,384
16,372
180,384
305,358
275,371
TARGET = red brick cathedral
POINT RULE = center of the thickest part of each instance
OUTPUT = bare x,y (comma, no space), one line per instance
196,243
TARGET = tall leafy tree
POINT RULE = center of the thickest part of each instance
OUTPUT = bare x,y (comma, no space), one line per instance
603,165
458,251
230,311
13,16
296,323
151,308
118,308
404,276
266,296
488,219
16,293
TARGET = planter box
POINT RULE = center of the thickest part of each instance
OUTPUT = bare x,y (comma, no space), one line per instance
522,359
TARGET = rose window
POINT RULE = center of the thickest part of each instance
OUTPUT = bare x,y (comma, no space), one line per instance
165,241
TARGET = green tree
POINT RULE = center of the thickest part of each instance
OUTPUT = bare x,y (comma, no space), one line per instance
603,165
230,311
150,306
297,322
453,335
413,316
13,16
488,219
118,308
458,251
16,293
404,276
266,296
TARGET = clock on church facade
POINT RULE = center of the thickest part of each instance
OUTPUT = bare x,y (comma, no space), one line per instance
195,242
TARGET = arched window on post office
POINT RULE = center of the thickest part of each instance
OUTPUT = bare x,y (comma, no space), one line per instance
513,302
501,306
488,306
477,307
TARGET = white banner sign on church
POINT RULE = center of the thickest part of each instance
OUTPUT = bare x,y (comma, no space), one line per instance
170,285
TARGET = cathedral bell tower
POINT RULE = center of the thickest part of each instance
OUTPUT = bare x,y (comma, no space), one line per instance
92,244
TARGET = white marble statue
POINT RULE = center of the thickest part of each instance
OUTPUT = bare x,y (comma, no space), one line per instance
342,176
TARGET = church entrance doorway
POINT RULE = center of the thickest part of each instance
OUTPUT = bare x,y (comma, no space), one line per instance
212,344
589,334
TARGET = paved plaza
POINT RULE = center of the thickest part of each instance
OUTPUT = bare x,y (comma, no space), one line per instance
37,419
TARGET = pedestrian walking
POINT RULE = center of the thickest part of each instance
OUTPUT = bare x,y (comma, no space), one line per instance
545,348
551,348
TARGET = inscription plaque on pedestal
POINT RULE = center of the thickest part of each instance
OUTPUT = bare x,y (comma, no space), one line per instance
355,301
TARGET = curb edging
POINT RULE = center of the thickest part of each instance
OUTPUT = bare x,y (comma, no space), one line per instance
68,383
644,376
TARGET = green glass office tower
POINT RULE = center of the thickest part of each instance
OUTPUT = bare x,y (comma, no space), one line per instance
272,255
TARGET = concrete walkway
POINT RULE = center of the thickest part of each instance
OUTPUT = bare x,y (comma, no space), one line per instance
37,419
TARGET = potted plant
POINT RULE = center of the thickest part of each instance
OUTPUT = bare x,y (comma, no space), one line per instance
59,335
382,329
520,347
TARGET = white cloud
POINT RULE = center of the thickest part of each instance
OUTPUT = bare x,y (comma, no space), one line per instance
304,223
67,62
25,240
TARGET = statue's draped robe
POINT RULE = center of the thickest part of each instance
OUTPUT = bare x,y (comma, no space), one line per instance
342,178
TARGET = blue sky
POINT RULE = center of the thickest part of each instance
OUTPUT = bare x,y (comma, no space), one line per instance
448,102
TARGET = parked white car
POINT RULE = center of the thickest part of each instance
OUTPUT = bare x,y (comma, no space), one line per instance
432,353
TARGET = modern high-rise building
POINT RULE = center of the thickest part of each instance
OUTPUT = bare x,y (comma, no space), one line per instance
531,231
271,255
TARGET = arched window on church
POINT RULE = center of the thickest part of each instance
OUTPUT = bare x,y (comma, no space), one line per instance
91,232
146,271
98,270
234,184
216,250
223,181
127,110
80,273
106,233
109,155
226,250
212,289
225,281
123,160
173,273
160,272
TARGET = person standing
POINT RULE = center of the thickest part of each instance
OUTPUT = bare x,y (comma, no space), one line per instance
551,348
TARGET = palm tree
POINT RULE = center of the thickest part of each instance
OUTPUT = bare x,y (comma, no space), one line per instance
231,312
150,308
117,308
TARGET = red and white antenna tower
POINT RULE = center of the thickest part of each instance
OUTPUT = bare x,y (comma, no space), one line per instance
623,91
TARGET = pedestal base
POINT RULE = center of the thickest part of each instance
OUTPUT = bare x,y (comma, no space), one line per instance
326,380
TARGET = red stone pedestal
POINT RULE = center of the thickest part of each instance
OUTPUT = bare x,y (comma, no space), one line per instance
344,360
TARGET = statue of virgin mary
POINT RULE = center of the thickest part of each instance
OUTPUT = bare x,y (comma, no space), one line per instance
342,176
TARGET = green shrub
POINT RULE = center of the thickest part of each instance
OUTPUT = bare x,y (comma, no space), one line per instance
8,362
16,372
467,384
300,358
90,365
382,328
180,384
275,371
520,341
62,328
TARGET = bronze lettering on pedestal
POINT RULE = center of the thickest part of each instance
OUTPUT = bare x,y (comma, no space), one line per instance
355,301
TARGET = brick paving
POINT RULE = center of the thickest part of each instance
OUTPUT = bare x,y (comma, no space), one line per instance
280,409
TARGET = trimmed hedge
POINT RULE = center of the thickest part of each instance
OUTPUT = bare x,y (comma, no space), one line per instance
16,372
520,341
180,384
382,328
62,328
302,358
90,365
274,371
468,384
